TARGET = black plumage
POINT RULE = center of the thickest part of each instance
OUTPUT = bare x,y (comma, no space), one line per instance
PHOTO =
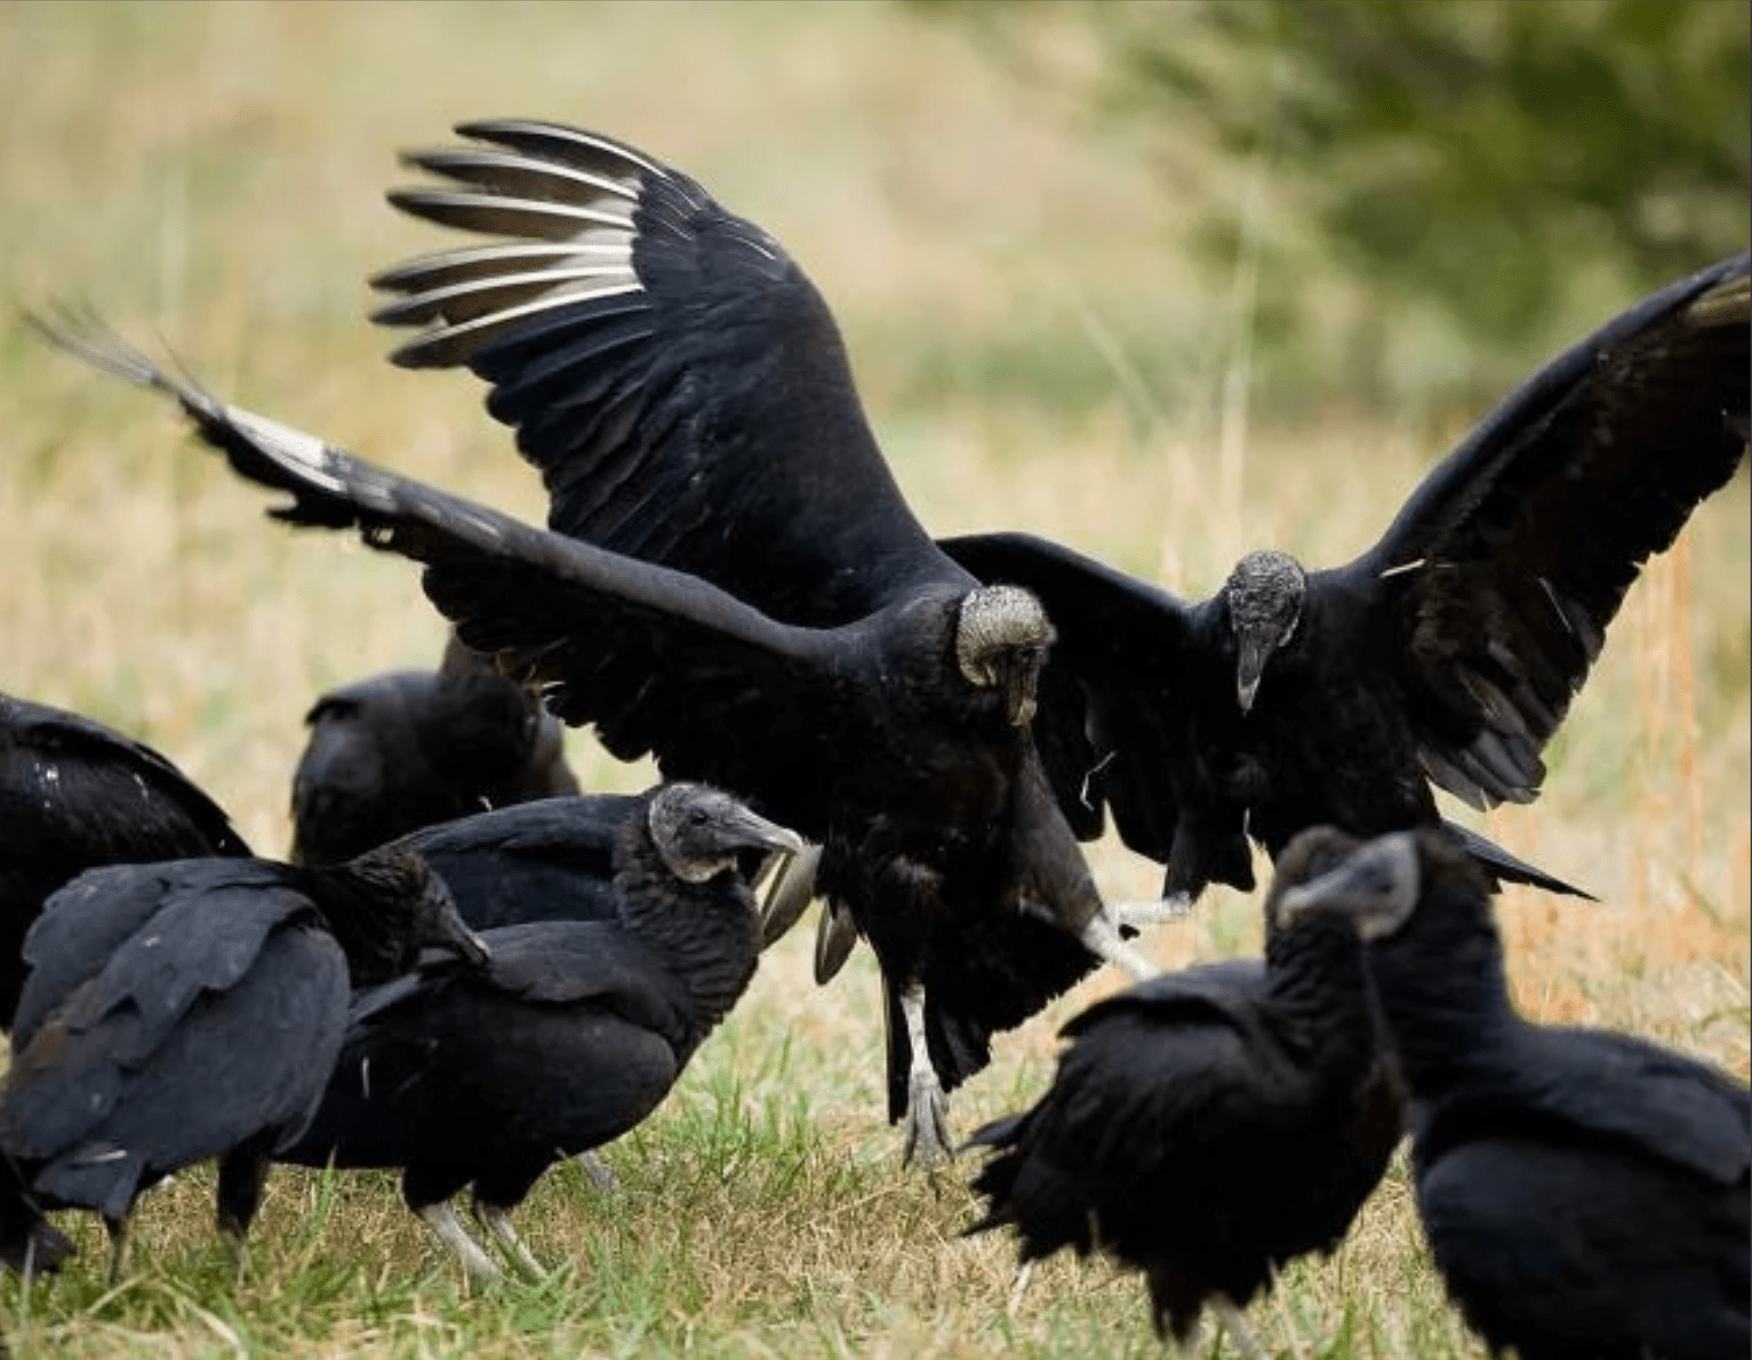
551,859
193,1009
573,1034
404,749
1208,1126
1446,653
75,795
1584,1192
735,585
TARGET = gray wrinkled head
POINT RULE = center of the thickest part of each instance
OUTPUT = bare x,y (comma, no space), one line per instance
1377,885
699,831
1264,595
1001,639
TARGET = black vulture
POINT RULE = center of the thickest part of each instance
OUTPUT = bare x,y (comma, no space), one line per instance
1584,1192
550,859
193,1009
75,795
847,679
571,1036
1447,652
1209,1125
404,749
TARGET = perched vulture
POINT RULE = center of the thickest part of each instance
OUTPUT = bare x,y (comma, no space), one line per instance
572,1034
403,749
1208,1126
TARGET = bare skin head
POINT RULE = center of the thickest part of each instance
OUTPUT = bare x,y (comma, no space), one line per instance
1001,640
700,831
1377,886
1264,594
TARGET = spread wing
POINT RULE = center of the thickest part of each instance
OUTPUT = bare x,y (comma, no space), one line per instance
676,377
1500,575
659,661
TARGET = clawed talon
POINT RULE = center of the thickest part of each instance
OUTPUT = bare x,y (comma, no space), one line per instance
497,1220
927,1107
927,1122
447,1228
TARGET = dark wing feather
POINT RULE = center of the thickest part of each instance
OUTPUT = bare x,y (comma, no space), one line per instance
119,793
552,859
551,963
75,795
1226,991
1106,725
676,377
248,1060
661,662
208,925
1629,1091
1511,559
113,923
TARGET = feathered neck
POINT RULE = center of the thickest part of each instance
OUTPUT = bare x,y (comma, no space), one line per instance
376,906
1444,989
1321,998
709,932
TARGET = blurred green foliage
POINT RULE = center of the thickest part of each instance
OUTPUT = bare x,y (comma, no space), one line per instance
1513,170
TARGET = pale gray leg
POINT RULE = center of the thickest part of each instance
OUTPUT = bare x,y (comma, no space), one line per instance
927,1108
1019,1285
497,1219
1101,936
447,1228
1235,1323
597,1169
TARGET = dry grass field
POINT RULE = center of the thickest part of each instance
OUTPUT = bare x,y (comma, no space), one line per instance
1035,352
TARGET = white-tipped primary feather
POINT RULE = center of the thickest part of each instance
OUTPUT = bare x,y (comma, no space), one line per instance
567,199
590,146
520,176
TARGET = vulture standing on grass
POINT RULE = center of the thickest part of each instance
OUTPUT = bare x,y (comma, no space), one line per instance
1584,1193
571,1036
1210,1125
1447,652
76,795
732,581
404,749
186,1010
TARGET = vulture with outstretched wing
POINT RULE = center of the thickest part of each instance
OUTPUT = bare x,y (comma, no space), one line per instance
1445,654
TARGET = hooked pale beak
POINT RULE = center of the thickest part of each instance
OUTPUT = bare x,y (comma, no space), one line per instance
1249,669
790,888
1020,680
749,828
752,831
1376,885
471,947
